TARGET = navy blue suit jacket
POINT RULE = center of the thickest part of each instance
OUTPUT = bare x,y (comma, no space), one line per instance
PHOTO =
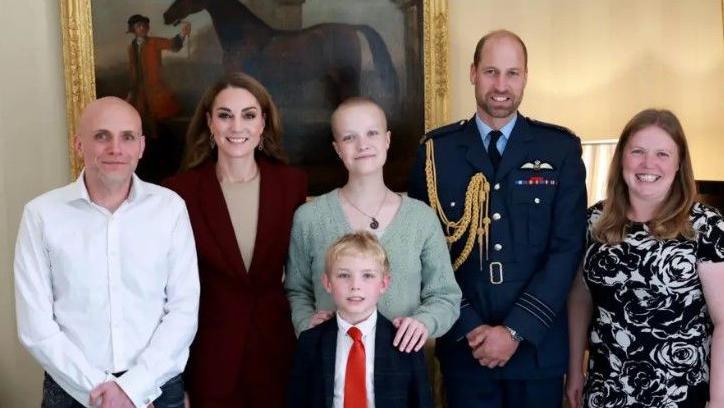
400,379
537,231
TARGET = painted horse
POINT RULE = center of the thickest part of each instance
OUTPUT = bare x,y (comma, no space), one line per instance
328,54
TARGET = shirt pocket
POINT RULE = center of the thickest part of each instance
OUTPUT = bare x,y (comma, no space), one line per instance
533,209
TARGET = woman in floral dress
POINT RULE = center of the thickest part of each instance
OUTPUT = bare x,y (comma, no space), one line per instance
649,299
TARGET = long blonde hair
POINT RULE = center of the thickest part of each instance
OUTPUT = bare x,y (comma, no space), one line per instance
198,149
672,217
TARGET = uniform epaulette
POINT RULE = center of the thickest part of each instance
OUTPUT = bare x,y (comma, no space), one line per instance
443,130
551,126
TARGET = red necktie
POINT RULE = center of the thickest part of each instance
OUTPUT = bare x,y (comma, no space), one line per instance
355,389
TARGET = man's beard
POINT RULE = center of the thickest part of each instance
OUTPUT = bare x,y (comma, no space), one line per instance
501,112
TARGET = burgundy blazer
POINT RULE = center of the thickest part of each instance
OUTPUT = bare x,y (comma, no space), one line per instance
243,349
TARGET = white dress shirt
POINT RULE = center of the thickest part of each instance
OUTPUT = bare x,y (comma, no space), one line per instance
344,344
99,292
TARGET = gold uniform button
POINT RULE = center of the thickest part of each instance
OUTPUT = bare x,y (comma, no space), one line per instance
496,186
496,216
536,200
497,247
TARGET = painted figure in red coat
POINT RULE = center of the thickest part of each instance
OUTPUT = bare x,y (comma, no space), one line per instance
241,199
149,94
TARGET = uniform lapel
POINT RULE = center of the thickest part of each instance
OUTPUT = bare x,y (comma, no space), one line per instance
516,150
216,214
475,151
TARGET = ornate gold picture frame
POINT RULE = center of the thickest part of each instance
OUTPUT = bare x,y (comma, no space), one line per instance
80,62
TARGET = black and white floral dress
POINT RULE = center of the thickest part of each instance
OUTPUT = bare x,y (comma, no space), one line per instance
650,332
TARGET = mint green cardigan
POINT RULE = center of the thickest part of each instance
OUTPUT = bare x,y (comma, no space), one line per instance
422,283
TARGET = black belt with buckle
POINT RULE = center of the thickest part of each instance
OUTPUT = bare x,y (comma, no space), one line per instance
496,273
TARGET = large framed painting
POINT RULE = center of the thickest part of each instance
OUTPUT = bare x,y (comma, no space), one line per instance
310,54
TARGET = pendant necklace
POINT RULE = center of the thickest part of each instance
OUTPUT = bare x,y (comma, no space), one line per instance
374,224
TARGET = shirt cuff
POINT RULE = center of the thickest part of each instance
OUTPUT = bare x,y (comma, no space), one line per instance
136,383
96,378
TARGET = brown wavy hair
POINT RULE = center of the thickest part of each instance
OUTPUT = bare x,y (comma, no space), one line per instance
198,149
671,219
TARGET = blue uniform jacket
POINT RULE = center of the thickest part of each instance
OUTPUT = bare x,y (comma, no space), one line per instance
537,231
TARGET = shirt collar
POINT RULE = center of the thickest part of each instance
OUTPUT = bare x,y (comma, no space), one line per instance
484,129
366,326
79,191
138,189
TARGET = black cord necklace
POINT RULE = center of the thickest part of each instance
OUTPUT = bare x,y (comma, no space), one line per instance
374,224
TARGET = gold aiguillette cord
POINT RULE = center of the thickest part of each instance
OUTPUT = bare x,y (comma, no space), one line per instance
474,221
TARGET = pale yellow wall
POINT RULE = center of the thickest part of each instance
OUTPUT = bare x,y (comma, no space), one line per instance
33,159
594,64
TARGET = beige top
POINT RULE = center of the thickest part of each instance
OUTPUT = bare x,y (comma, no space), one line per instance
242,200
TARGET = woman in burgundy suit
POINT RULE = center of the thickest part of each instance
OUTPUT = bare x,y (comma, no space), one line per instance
241,198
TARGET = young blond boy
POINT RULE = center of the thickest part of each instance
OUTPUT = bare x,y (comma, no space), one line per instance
350,361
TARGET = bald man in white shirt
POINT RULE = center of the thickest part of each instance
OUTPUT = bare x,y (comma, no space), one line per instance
106,277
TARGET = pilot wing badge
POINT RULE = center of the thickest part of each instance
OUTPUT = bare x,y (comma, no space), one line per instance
536,165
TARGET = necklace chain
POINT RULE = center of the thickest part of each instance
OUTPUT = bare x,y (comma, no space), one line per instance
374,223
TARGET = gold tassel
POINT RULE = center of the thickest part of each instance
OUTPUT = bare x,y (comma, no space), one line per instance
474,221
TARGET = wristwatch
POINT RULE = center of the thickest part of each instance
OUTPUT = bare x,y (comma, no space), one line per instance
514,334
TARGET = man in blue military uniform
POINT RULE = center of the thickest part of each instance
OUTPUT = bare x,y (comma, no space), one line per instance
510,193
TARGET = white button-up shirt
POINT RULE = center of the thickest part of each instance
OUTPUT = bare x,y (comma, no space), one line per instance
344,345
99,292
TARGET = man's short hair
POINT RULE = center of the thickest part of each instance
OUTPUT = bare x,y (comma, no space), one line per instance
360,243
137,18
499,33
